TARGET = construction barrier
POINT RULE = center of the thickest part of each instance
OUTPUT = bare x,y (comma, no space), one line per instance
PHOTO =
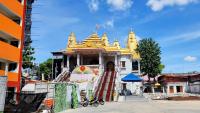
66,97
3,87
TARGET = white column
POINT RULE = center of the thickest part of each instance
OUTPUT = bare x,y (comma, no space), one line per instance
163,88
6,69
116,65
153,90
100,63
168,90
175,90
184,88
78,59
52,68
139,72
81,60
100,58
68,61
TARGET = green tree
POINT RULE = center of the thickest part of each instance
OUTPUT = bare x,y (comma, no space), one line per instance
28,52
149,51
161,67
46,68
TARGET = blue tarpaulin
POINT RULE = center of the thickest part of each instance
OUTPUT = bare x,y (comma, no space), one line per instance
131,78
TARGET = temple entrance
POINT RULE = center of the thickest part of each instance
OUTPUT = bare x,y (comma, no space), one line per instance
110,66
72,63
179,89
90,60
107,59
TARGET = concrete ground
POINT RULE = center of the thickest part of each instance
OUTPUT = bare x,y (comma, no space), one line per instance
141,105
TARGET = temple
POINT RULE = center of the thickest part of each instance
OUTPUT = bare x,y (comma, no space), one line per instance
96,53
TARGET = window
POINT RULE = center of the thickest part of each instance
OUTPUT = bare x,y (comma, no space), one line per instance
179,89
2,66
17,20
14,43
12,67
134,65
123,64
3,40
20,1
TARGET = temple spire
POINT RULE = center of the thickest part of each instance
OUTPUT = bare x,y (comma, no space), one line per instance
105,40
116,44
71,40
132,42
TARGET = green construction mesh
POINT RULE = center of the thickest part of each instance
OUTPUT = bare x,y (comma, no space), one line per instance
60,97
74,97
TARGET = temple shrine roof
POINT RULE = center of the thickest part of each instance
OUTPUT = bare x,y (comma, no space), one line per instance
94,42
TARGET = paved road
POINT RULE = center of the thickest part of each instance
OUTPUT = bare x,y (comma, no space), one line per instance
140,105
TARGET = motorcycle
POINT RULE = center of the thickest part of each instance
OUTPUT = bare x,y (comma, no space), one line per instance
101,101
85,102
94,102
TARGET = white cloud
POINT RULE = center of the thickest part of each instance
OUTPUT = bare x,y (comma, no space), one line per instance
93,5
109,24
157,5
120,5
190,59
189,36
179,38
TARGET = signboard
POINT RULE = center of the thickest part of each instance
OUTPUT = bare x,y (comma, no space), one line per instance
85,77
3,87
82,74
58,57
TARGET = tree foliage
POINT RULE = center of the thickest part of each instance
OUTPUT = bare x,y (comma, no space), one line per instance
46,68
149,51
161,67
28,52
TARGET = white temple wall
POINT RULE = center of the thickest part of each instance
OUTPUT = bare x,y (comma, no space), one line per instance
133,86
128,65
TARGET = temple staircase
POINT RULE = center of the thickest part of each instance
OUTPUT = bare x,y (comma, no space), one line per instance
106,86
62,77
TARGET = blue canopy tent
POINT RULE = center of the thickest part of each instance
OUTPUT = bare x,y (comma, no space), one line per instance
131,78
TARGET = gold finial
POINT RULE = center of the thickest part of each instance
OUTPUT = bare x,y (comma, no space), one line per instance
131,30
104,35
72,34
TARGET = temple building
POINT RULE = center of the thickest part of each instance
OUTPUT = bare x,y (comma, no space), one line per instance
178,83
96,53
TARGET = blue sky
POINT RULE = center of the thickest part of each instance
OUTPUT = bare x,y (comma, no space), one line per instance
175,24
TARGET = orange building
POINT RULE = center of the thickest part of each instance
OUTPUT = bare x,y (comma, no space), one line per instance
12,18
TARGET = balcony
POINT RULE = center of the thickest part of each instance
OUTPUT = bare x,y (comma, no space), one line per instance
9,52
12,76
2,73
11,8
10,28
